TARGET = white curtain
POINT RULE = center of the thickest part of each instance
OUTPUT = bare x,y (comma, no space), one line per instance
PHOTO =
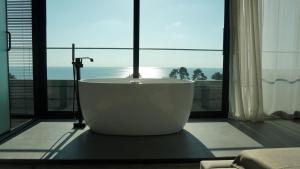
281,57
245,85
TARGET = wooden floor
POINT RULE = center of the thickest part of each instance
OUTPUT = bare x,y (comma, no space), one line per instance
56,141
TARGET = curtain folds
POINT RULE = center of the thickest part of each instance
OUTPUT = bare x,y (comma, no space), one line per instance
245,83
281,58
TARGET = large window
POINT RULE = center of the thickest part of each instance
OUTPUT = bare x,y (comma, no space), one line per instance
178,39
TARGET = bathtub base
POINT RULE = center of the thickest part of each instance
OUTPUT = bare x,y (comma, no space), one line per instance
134,133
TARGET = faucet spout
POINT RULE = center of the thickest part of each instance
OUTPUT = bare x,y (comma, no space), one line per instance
91,59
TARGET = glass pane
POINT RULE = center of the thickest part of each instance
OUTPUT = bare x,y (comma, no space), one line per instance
208,86
182,24
21,90
107,64
91,25
4,95
193,25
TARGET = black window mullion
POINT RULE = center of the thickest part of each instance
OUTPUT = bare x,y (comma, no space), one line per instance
226,43
136,38
39,57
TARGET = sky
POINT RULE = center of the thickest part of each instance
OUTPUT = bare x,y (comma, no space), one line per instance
163,24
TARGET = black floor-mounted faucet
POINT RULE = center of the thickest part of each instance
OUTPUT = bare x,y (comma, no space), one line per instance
77,65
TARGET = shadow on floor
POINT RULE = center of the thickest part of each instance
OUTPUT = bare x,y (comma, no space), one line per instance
88,145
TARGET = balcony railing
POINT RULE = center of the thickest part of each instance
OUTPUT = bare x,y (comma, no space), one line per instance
207,93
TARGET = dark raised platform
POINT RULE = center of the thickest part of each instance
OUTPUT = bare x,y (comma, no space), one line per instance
56,142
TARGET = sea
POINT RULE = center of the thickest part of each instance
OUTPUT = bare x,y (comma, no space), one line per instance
66,73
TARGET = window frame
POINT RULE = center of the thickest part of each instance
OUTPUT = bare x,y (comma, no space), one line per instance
40,56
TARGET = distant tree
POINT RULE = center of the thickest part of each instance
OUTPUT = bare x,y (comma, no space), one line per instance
199,75
173,74
11,76
183,73
180,73
217,76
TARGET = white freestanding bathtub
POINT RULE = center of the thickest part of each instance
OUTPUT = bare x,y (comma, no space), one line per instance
136,106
